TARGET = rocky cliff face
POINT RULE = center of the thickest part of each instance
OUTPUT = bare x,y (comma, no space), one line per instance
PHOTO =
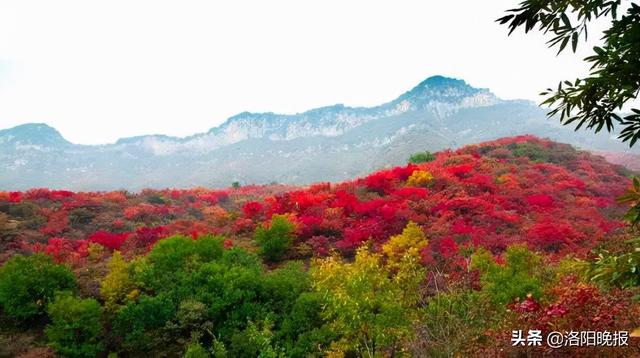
329,143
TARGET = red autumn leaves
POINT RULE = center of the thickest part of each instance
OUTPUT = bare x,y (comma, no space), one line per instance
514,190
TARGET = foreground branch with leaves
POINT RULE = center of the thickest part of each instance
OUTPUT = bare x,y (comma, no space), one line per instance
592,102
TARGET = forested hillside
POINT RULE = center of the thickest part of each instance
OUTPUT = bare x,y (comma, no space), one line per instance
442,256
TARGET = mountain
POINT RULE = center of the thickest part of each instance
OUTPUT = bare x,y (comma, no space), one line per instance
38,136
628,160
331,143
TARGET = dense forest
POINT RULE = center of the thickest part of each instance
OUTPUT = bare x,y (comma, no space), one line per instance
444,256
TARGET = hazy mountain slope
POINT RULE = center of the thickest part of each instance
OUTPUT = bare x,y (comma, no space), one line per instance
325,144
629,160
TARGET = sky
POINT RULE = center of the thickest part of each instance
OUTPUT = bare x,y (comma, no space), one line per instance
102,70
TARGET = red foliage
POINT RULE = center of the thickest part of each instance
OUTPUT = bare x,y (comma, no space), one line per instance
213,197
578,307
540,200
109,240
410,193
252,209
553,234
460,171
448,247
482,195
46,194
64,250
487,195
384,181
15,197
461,228
145,211
57,223
320,245
146,236
242,225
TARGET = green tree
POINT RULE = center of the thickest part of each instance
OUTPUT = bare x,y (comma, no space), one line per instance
76,326
195,349
422,157
523,273
171,261
615,66
276,239
232,293
284,285
176,252
256,341
28,283
140,323
304,329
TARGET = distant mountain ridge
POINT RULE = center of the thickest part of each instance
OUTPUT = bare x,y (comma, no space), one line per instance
440,94
324,144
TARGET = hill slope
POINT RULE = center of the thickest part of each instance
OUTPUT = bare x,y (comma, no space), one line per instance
447,256
519,189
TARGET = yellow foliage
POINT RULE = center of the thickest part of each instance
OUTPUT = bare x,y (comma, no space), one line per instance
420,178
117,285
372,303
133,295
335,351
408,244
96,252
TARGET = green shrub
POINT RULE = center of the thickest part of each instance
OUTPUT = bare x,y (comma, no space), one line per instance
156,199
232,294
275,240
422,157
557,153
192,318
140,323
76,328
28,283
284,285
237,256
256,341
174,253
195,350
172,259
523,273
304,328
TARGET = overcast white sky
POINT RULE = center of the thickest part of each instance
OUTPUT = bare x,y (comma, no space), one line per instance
100,70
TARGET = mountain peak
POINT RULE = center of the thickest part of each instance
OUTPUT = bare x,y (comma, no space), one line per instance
33,134
439,84
440,89
440,81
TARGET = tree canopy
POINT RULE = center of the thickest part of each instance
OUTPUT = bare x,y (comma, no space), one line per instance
614,79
